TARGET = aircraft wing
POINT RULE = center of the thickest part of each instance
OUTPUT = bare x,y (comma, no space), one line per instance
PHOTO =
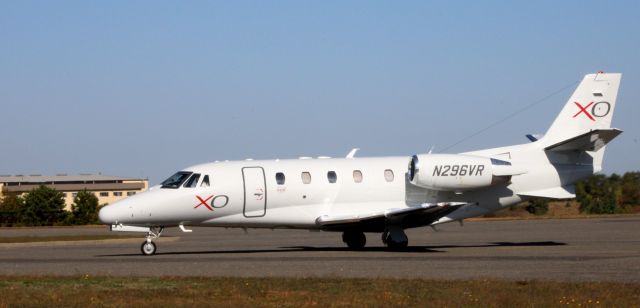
408,217
591,141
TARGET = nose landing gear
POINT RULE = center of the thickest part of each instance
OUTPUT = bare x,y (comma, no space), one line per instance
148,247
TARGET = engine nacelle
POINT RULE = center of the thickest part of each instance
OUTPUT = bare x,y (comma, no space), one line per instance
456,172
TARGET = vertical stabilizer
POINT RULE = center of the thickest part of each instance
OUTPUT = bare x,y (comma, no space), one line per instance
584,124
590,107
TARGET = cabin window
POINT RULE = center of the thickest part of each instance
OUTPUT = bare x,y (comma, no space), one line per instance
280,178
388,175
357,176
205,181
192,181
306,177
332,176
176,180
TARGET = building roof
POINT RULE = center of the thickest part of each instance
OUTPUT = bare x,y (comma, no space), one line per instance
62,178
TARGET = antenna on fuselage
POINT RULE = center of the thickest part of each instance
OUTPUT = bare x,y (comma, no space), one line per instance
353,152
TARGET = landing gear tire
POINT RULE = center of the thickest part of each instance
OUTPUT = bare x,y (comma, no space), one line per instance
148,248
355,240
395,239
397,245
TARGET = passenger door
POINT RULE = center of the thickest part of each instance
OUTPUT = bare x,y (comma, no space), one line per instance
255,192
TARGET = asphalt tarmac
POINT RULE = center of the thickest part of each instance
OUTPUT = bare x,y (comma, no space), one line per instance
549,249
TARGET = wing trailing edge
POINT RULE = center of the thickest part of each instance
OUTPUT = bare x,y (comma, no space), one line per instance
414,216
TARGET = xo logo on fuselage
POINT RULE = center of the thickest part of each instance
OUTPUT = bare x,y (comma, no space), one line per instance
216,202
598,110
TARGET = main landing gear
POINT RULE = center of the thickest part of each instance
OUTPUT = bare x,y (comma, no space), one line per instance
393,237
354,239
148,247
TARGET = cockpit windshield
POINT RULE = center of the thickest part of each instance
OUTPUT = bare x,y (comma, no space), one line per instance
192,181
176,180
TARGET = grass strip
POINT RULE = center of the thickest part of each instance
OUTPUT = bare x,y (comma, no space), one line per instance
305,292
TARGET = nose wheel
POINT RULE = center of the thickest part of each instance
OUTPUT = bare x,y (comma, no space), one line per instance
148,248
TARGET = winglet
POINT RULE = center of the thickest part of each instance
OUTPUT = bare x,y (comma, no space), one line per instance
534,137
353,152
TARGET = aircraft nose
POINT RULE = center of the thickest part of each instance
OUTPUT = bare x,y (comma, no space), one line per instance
108,215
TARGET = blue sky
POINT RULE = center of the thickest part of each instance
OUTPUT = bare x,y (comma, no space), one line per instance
144,88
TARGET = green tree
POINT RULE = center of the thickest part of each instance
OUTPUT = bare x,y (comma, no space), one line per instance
10,206
630,189
85,208
43,206
599,194
538,206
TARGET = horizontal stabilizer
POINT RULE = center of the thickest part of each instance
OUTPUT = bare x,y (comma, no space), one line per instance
563,192
591,141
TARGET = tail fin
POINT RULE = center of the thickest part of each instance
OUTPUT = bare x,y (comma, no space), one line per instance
584,124
589,108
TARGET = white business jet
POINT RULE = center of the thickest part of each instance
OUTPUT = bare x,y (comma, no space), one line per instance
384,195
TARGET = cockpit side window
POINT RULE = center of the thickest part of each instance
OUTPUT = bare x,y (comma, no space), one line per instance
192,181
176,180
205,181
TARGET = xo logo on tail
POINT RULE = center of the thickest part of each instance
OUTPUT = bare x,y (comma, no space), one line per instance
598,110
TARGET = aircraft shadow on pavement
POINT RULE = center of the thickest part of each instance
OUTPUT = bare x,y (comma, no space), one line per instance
434,248
410,249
